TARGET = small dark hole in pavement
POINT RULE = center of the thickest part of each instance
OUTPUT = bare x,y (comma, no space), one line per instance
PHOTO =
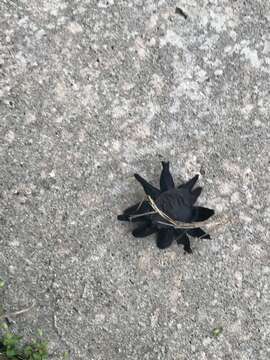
180,12
202,171
65,216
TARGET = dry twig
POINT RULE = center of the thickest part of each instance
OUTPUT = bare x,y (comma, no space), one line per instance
16,313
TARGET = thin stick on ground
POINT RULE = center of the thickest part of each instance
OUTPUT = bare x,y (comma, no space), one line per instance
183,225
142,214
16,313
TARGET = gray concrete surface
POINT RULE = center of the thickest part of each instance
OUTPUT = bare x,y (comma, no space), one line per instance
93,91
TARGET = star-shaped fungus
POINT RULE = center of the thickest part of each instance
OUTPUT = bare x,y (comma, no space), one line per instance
169,212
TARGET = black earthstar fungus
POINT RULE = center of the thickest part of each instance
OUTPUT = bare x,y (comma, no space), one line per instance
168,211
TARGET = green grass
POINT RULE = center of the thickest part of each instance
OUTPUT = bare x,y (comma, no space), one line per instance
11,347
217,331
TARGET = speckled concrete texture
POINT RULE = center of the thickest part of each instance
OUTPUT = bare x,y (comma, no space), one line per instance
93,91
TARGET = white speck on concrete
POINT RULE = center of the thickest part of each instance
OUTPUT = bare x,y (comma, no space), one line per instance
151,24
235,198
245,111
52,174
252,56
173,39
141,48
226,188
10,136
39,34
105,3
99,318
266,48
207,341
61,91
238,278
116,145
75,28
